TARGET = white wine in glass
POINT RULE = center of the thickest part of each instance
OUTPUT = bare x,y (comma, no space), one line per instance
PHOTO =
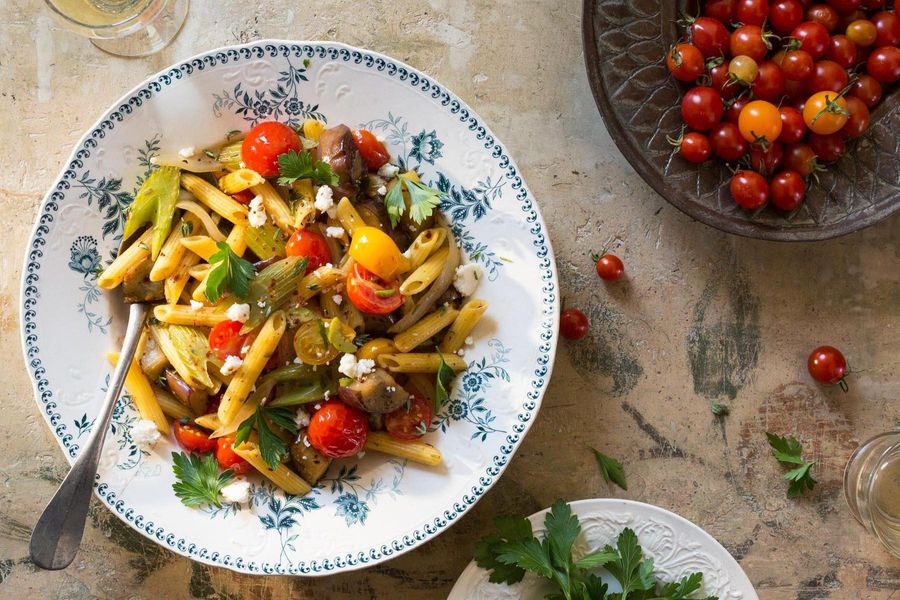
872,488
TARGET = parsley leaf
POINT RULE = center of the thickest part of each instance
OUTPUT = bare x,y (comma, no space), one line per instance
629,568
293,165
445,377
788,451
271,447
611,469
422,200
198,479
230,273
395,203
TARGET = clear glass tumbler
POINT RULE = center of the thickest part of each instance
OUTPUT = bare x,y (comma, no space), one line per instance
872,488
123,27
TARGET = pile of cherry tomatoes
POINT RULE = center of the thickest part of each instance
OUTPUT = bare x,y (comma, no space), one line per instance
781,86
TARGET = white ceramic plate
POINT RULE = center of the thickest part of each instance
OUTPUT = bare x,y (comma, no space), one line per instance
677,546
366,511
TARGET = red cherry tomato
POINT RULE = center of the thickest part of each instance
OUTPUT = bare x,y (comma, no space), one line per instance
802,159
766,161
787,190
873,4
785,15
244,197
372,150
867,89
813,37
827,365
824,15
797,65
733,112
312,245
370,295
887,26
573,324
410,422
710,36
727,141
750,41
828,148
685,62
695,147
842,51
337,430
828,76
723,11
845,6
749,189
701,108
722,82
610,267
226,340
752,12
228,458
859,118
192,438
884,64
265,143
793,127
769,83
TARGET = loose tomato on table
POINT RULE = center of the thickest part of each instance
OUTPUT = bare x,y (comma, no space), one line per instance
827,365
337,430
787,190
793,128
813,38
610,267
825,113
760,121
850,17
370,294
228,458
859,118
749,189
751,41
192,438
311,245
371,149
701,108
727,142
226,340
409,422
573,324
709,35
265,143
735,106
685,62
884,64
721,81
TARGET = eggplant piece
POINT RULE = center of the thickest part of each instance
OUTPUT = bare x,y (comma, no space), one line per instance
307,461
137,287
378,324
196,400
337,148
375,214
377,393
376,421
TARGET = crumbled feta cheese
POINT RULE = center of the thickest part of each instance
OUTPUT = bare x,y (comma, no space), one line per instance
196,305
297,360
306,441
388,171
327,395
356,369
238,312
381,191
337,298
364,366
144,433
232,364
301,419
317,406
361,454
469,341
334,232
187,152
326,160
461,352
237,491
324,199
467,278
242,165
261,303
245,349
257,215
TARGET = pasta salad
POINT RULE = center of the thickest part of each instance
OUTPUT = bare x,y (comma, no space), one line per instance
310,305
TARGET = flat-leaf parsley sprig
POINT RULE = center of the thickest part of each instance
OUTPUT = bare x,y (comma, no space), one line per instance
229,273
422,200
788,451
293,165
198,480
271,447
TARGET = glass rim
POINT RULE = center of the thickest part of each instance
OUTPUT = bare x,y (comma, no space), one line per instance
122,25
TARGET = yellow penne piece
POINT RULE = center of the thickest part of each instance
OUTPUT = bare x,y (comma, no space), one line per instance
465,321
210,421
175,283
240,180
114,274
320,279
425,275
142,394
281,476
199,272
172,250
419,362
304,202
416,451
277,209
201,245
178,314
215,199
349,218
237,240
425,243
427,327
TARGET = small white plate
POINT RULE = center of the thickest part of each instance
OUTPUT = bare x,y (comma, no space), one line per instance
677,546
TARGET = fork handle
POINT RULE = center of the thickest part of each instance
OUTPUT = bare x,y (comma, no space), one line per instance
57,534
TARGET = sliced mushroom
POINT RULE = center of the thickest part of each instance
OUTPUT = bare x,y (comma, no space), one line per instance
337,148
377,393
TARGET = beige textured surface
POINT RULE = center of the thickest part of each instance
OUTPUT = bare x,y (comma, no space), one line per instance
703,316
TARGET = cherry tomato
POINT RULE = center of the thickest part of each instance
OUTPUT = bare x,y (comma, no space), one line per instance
825,113
226,340
884,64
862,32
727,141
410,422
749,189
750,41
265,143
312,245
760,120
842,51
859,118
370,295
701,108
887,26
695,147
873,4
245,197
710,36
337,430
722,82
766,161
228,458
823,14
743,69
849,17
827,365
733,112
769,83
685,62
793,128
724,11
845,6
828,76
610,267
797,65
829,148
802,159
784,15
752,12
796,92
787,190
376,251
813,38
573,324
372,150
867,89
192,438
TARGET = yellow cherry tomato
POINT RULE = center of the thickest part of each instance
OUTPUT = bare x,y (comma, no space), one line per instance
760,120
375,348
744,69
377,252
825,113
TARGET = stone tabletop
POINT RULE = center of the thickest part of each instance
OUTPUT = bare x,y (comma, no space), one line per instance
702,317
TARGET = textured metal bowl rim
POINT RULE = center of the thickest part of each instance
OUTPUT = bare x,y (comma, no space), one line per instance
679,200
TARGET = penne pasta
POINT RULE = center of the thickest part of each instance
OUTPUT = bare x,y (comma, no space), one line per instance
414,450
425,275
240,180
320,279
142,394
172,251
419,362
277,209
465,321
201,245
214,198
113,275
174,284
281,476
237,241
425,243
179,314
349,218
425,329
304,203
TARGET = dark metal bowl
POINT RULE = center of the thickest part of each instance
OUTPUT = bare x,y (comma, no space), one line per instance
625,42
